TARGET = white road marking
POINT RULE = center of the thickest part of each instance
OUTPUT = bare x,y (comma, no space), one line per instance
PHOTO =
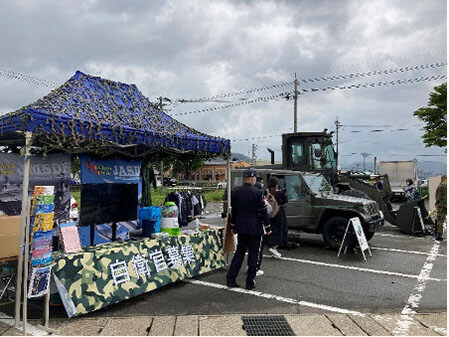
441,331
275,297
405,251
31,329
406,318
375,271
400,236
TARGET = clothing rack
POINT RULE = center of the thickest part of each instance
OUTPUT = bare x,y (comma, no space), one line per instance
184,188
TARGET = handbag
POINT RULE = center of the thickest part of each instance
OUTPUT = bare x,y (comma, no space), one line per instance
274,206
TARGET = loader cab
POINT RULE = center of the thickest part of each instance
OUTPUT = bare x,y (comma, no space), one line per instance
309,151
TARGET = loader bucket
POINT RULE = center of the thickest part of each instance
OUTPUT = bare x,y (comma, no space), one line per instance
409,220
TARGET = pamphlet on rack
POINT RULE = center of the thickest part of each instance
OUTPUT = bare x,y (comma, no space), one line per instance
70,237
43,222
42,240
40,281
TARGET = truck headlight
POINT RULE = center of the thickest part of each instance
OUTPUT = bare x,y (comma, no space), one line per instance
365,209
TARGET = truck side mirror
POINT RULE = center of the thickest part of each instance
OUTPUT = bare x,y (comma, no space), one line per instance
317,153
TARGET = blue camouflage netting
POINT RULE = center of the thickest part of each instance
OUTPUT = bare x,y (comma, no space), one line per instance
89,111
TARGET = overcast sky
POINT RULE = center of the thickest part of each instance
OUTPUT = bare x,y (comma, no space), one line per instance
193,49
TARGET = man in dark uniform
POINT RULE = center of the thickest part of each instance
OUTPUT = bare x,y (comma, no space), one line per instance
249,219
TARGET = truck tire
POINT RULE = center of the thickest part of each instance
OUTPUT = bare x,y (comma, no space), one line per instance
333,231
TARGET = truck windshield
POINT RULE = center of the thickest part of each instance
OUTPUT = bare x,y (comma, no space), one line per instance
317,183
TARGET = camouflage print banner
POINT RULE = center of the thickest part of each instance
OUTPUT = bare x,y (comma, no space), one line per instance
113,272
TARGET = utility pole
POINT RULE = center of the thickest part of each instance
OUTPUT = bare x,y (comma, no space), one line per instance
337,127
364,154
253,154
375,165
295,96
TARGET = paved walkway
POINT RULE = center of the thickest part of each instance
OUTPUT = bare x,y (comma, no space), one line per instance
432,324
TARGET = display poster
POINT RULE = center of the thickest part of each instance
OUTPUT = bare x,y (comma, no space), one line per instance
100,276
52,171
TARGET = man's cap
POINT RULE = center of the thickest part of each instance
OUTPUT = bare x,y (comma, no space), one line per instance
249,173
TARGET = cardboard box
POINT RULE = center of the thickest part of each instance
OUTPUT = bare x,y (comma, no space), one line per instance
9,236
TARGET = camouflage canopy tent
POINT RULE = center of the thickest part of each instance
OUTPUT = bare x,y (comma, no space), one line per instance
95,115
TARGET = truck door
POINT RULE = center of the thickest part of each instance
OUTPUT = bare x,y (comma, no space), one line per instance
298,209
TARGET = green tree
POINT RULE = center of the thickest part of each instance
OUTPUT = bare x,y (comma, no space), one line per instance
187,165
434,115
75,165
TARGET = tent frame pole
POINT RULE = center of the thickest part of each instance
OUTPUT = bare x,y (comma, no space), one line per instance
25,151
25,267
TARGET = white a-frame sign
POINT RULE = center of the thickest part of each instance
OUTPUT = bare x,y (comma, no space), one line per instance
359,233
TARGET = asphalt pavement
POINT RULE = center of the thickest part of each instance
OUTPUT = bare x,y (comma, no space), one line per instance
406,276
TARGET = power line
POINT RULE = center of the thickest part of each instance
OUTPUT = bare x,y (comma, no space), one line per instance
376,84
375,72
315,79
236,93
27,78
254,138
221,107
290,94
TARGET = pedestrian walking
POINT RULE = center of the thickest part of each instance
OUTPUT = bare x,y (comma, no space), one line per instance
249,220
279,237
441,206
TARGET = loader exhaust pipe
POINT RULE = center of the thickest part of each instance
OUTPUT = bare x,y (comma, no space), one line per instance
272,155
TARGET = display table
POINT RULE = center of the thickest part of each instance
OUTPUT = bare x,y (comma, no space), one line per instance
109,273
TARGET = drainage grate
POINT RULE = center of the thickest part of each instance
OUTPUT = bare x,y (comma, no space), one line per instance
267,326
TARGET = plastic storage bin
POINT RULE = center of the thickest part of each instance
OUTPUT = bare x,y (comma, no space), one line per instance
151,212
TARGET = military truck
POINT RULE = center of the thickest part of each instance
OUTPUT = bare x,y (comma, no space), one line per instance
314,207
314,152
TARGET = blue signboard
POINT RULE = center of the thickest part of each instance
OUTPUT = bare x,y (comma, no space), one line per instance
97,171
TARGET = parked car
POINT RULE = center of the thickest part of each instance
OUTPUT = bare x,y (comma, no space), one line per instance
170,182
74,213
222,184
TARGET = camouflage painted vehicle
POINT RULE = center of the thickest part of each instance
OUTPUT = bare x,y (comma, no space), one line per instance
313,206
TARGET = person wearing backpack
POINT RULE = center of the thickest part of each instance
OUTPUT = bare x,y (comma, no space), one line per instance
278,220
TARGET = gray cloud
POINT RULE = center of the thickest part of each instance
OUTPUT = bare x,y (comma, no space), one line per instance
194,49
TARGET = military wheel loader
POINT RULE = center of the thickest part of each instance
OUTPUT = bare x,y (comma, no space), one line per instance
314,152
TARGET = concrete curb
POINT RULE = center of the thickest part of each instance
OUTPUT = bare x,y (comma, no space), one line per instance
426,324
